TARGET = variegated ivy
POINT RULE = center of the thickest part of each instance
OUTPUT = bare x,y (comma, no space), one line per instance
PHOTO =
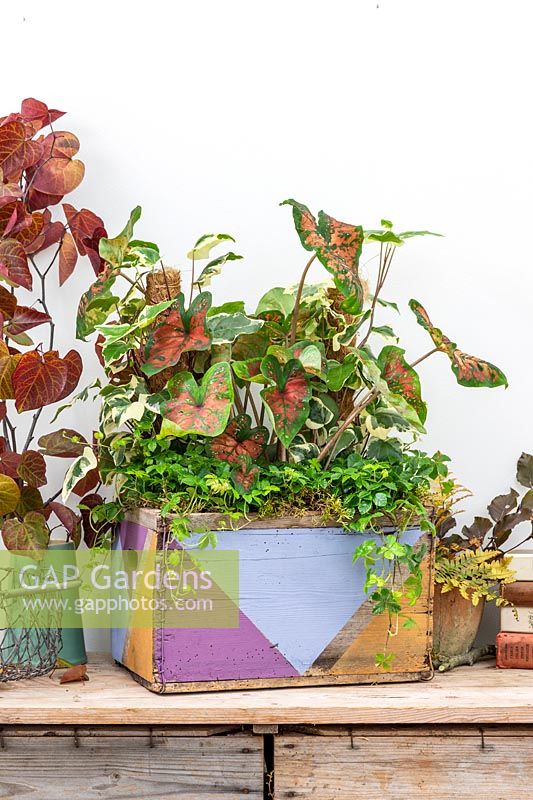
311,374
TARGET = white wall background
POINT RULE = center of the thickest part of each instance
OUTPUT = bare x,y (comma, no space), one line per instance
209,113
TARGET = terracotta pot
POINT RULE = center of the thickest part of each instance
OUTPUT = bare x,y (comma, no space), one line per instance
455,623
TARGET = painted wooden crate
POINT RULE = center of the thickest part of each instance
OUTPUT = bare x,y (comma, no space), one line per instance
303,617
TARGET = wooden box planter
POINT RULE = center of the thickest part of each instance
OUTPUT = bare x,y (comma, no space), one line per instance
304,618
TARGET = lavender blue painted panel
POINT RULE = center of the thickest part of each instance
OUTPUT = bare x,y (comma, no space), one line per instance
299,587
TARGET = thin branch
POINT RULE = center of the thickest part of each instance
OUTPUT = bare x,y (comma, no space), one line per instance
347,422
423,358
294,324
192,279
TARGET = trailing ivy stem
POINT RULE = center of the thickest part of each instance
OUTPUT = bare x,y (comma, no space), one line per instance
294,324
348,421
426,355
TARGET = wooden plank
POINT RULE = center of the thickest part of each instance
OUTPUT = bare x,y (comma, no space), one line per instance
87,768
477,695
149,517
404,767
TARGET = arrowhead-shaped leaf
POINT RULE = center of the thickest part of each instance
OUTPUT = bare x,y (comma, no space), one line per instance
203,409
32,535
179,332
38,380
239,439
402,379
287,400
468,370
245,474
338,246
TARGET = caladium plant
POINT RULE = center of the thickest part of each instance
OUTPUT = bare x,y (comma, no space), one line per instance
310,375
38,167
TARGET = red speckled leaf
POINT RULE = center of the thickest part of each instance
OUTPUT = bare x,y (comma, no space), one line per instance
338,247
17,151
179,332
14,263
469,370
64,443
25,318
68,256
239,439
8,303
287,400
402,379
245,474
473,371
74,365
38,113
202,409
32,468
38,380
32,535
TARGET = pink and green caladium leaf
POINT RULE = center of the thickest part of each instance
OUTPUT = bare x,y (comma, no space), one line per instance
239,439
287,398
338,247
245,474
202,408
468,370
179,332
402,379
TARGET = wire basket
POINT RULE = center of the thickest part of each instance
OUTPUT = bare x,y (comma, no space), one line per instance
27,650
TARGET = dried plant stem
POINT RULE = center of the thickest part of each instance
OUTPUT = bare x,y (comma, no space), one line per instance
296,311
248,398
385,258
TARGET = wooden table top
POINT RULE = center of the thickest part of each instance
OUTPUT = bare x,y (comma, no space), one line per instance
478,694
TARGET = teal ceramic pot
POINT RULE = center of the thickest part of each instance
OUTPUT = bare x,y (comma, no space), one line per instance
73,649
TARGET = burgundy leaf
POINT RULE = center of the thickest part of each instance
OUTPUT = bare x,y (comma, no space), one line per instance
68,518
14,263
38,380
17,151
68,256
74,365
25,318
32,468
38,113
64,443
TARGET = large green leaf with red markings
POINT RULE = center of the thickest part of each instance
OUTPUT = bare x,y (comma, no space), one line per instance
287,397
401,378
202,408
179,332
239,439
468,370
338,247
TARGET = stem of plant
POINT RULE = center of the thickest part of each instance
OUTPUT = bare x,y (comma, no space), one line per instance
348,421
296,311
423,358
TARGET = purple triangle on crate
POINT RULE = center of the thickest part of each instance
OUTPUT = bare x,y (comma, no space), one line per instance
217,654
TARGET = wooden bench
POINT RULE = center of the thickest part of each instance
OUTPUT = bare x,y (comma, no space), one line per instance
465,734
